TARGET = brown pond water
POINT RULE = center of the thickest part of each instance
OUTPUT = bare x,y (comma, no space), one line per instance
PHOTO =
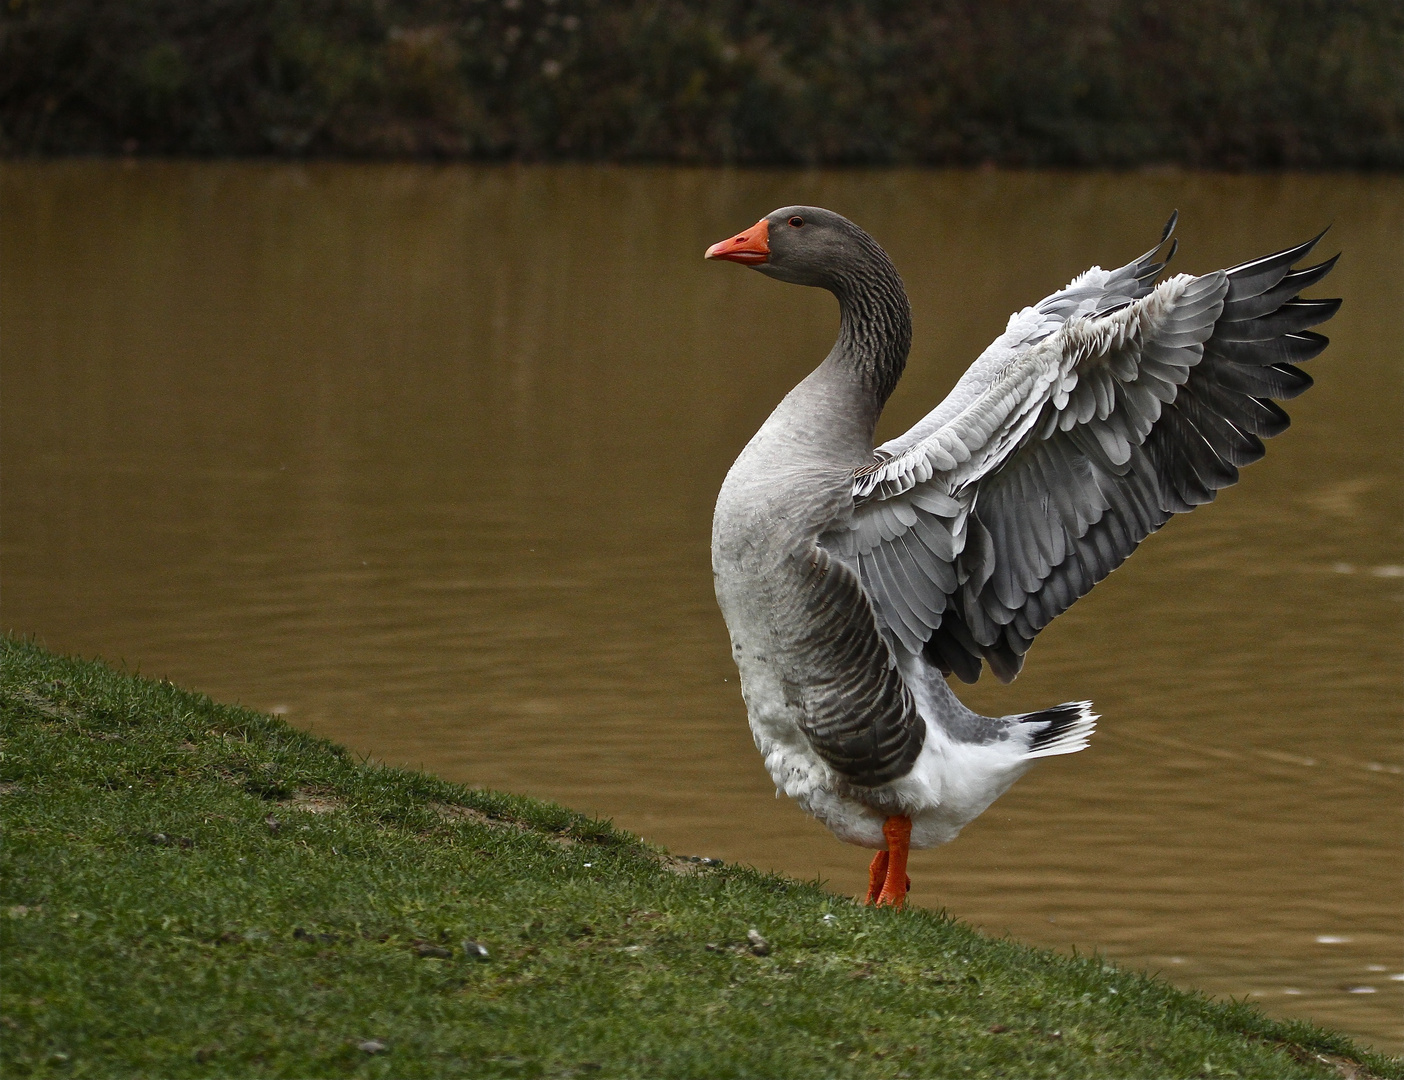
424,458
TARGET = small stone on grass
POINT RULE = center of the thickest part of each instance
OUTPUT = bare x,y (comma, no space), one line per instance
474,951
160,839
372,1046
307,935
759,945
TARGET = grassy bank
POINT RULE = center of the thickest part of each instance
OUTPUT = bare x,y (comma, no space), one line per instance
193,889
1236,83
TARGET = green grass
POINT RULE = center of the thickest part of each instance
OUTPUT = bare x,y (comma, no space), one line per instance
192,889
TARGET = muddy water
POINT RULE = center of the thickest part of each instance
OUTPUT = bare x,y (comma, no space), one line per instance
424,459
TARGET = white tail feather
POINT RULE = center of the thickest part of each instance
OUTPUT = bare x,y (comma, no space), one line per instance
1065,729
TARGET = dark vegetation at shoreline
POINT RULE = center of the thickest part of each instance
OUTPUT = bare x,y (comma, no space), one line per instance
1221,83
196,889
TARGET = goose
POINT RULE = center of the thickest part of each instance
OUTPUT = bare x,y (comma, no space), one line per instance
854,580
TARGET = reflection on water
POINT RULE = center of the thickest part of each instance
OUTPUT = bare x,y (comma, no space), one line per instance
424,457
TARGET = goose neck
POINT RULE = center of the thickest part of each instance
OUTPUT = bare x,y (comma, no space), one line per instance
875,323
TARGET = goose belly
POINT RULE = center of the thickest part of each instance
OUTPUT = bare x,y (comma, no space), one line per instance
768,663
775,715
793,765
949,785
773,705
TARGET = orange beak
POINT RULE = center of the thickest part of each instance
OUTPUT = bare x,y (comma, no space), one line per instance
750,248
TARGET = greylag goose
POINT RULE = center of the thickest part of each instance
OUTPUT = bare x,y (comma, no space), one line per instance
854,580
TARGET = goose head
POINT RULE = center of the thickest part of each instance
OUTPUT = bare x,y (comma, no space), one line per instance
804,245
808,245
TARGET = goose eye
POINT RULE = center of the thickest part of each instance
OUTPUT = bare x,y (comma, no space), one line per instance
797,222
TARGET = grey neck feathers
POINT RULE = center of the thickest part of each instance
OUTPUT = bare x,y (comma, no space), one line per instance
875,328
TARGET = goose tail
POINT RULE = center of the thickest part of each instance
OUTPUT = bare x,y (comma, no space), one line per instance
1063,729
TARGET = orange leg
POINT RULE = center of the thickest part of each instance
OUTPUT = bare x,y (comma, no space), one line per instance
877,876
898,830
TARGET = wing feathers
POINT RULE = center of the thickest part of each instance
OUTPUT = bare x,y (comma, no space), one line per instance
1288,349
1258,275
1268,301
859,715
1100,413
1292,317
1282,381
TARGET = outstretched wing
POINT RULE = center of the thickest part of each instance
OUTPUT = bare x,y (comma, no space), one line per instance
1098,414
